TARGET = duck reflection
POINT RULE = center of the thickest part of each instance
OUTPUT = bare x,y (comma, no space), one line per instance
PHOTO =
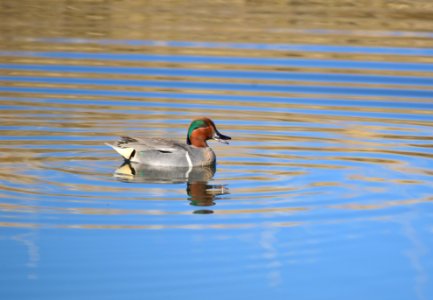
199,191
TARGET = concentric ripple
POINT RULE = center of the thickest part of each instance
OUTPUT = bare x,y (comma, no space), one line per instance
312,137
329,106
325,191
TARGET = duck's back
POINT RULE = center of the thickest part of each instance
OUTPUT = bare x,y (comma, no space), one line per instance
163,152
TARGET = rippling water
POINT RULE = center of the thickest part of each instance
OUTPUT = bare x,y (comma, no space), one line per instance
325,191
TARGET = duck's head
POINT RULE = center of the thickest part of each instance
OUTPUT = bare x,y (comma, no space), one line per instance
204,129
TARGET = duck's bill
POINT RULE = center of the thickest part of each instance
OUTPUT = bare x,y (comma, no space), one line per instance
222,138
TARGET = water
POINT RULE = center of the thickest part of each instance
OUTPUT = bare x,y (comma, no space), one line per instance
325,191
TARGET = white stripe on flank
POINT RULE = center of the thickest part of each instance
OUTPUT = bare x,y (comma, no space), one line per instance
189,165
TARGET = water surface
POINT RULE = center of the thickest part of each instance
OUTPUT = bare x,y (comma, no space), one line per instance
325,191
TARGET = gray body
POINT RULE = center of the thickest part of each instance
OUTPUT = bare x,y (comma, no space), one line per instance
163,152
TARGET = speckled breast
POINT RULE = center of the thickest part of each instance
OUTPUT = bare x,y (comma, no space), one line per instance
202,156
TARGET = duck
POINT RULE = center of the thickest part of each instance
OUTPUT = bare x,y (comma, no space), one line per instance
161,152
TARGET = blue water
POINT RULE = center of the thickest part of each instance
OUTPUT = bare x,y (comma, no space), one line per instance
324,192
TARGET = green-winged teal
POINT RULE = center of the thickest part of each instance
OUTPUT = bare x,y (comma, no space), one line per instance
163,152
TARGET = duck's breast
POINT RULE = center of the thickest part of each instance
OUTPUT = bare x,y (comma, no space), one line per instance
202,156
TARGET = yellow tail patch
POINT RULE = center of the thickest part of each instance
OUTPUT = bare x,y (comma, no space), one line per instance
125,152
